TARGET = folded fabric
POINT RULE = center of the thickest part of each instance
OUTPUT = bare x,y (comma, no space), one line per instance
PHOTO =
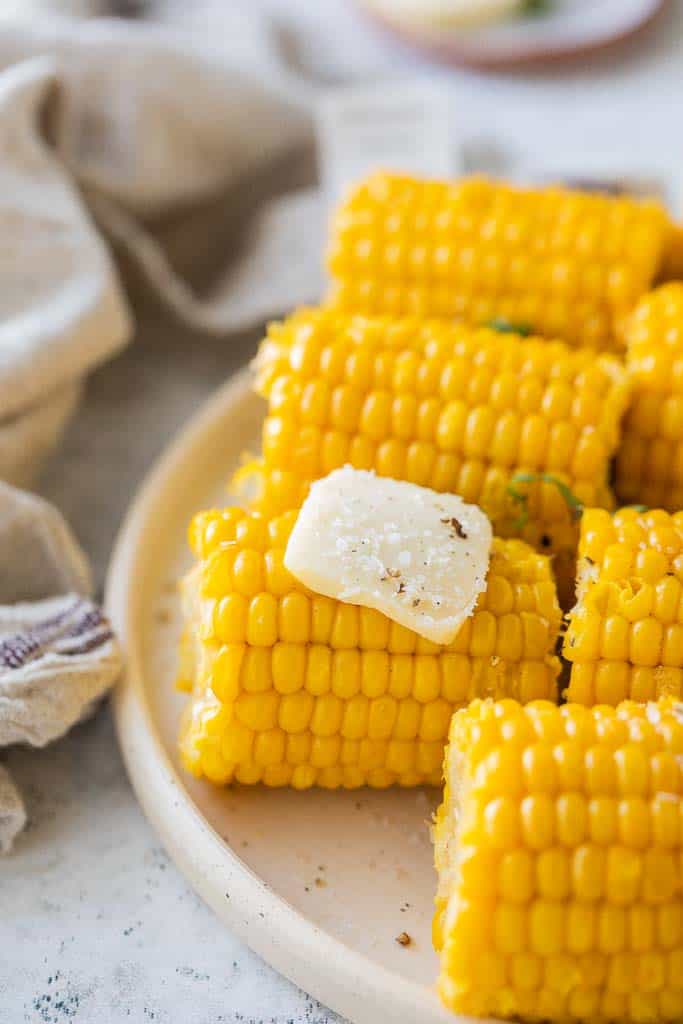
58,656
279,269
29,437
220,108
39,555
137,100
61,307
93,113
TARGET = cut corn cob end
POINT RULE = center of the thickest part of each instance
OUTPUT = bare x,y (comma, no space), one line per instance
559,849
291,688
649,466
625,636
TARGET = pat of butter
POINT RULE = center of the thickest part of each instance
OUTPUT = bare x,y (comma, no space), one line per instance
417,556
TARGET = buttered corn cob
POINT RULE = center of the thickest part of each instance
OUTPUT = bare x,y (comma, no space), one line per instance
568,264
291,688
650,458
625,637
559,848
449,407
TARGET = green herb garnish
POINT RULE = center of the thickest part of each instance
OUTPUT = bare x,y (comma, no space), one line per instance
522,498
503,326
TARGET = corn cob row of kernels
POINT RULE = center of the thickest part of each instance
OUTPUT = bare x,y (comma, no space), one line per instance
292,688
559,848
570,265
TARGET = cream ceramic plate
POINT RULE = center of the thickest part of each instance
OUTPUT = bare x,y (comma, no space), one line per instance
319,883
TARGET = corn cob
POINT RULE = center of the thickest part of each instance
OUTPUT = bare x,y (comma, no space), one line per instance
650,458
568,264
291,688
446,406
559,848
625,637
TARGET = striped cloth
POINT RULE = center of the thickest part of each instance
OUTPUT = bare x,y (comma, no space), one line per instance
58,656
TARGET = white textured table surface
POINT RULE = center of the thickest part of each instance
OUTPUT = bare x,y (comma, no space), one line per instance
95,923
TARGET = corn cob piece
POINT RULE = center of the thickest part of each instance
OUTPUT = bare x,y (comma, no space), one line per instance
650,458
569,264
291,688
625,636
446,406
559,848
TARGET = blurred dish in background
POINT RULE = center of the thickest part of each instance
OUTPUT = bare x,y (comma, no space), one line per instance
493,33
449,13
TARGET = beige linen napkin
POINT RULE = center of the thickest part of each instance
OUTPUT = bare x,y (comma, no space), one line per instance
39,555
61,308
29,436
165,146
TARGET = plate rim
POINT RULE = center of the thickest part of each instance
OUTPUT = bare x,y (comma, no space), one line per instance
461,54
336,975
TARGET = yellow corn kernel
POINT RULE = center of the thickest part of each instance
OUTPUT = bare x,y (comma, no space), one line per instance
255,675
211,529
225,672
262,620
287,666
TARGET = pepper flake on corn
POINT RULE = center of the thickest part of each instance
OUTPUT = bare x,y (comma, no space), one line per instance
559,849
